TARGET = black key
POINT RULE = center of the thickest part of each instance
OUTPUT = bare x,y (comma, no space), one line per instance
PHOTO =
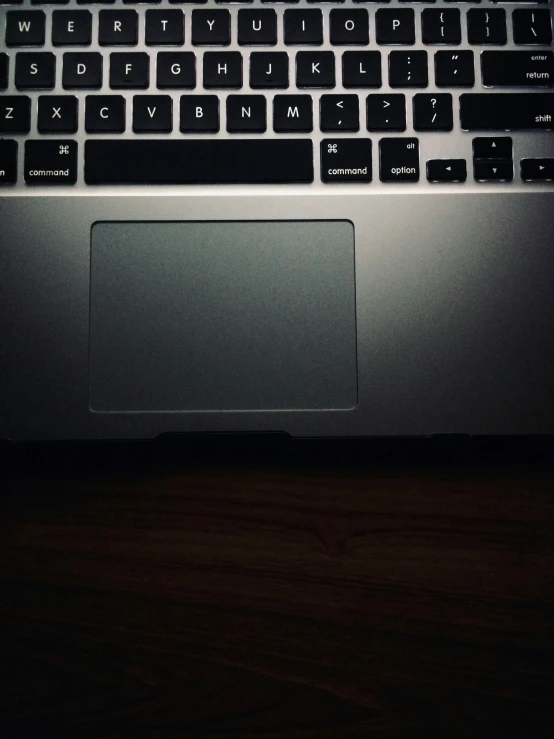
339,113
349,27
129,70
507,111
211,27
408,69
50,162
532,170
165,27
71,27
199,114
82,71
433,112
57,114
303,27
441,26
500,147
532,27
517,68
176,70
315,69
386,112
105,114
346,160
4,68
399,160
269,69
292,113
207,162
49,2
118,28
361,69
454,69
395,26
223,69
12,2
446,170
246,114
152,114
493,171
15,114
486,26
8,162
257,27
25,27
35,70
95,2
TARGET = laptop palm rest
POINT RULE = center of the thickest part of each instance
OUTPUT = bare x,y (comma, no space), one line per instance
222,316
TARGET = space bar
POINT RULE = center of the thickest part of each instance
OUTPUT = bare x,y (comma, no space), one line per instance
201,162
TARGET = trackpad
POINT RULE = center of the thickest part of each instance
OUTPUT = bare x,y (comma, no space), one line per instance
222,316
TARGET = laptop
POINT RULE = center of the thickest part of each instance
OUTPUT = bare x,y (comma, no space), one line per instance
316,218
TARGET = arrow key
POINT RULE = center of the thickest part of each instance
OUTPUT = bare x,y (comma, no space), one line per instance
492,170
488,147
339,113
446,170
537,170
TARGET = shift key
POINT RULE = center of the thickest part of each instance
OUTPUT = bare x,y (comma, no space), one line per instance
531,111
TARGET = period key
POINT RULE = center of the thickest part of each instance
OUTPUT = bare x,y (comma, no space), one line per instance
346,160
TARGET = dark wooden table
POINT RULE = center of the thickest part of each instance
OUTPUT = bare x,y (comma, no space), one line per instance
263,588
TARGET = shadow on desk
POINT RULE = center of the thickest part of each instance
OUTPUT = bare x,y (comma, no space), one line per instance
264,587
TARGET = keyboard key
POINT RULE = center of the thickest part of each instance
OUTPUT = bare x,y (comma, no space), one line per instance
164,27
454,69
349,27
441,26
486,26
257,27
204,162
532,27
49,2
446,170
129,71
8,162
315,69
246,114
303,27
269,69
82,71
71,27
211,27
4,69
199,114
386,112
339,113
517,68
35,70
433,112
408,69
500,147
176,70
532,111
395,26
361,69
25,27
57,114
532,170
15,114
50,162
223,69
152,114
346,160
105,114
399,160
118,28
493,171
292,114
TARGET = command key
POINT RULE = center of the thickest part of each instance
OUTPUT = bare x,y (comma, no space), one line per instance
51,162
346,160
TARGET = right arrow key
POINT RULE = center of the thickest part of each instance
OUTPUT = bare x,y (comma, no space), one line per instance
537,170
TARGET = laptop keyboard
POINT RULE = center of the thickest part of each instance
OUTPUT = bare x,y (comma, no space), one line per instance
260,92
